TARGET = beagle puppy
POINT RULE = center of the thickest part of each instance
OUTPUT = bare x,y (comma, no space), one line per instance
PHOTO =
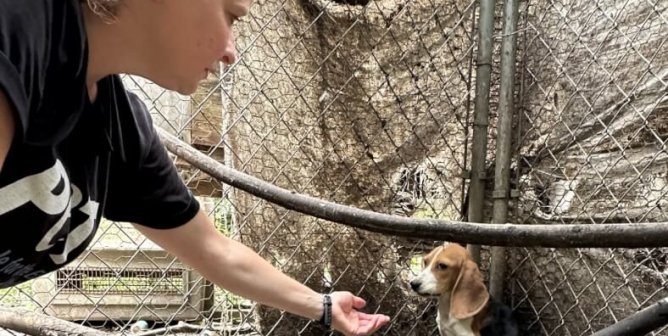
465,307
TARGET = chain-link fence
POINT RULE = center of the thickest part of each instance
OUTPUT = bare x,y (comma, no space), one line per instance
370,104
591,150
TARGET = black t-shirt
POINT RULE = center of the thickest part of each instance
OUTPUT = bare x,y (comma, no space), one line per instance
72,161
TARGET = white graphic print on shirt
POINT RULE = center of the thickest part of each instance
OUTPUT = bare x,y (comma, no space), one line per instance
40,190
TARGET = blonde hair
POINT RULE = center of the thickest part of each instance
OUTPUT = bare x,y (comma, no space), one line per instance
106,9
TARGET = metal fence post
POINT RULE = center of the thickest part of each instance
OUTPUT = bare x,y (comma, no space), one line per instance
481,113
501,192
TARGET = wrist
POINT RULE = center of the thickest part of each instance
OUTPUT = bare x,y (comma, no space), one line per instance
315,307
326,318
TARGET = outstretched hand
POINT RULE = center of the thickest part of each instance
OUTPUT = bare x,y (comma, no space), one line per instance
347,319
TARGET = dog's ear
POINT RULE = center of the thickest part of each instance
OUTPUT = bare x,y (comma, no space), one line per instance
469,296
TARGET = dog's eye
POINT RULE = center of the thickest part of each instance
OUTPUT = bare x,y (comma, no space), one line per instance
441,266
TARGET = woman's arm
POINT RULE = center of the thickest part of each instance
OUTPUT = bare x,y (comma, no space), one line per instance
235,267
6,128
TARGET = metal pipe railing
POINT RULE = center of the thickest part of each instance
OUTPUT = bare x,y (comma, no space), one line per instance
640,323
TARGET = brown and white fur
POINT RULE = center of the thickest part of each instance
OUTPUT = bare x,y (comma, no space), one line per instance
465,307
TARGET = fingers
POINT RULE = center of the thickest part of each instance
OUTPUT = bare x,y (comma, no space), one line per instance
356,323
370,323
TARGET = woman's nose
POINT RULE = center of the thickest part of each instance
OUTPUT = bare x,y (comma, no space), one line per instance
229,53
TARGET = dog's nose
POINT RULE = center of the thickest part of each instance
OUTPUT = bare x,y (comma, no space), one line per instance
415,285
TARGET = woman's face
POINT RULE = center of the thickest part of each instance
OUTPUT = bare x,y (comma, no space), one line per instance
187,38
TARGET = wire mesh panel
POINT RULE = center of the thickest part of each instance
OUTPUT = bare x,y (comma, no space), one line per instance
106,281
592,149
367,107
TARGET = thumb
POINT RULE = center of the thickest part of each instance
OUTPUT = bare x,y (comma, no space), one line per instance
358,302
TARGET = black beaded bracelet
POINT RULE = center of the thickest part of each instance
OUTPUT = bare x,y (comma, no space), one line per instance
326,319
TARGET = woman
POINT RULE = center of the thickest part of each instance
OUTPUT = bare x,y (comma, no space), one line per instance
75,146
